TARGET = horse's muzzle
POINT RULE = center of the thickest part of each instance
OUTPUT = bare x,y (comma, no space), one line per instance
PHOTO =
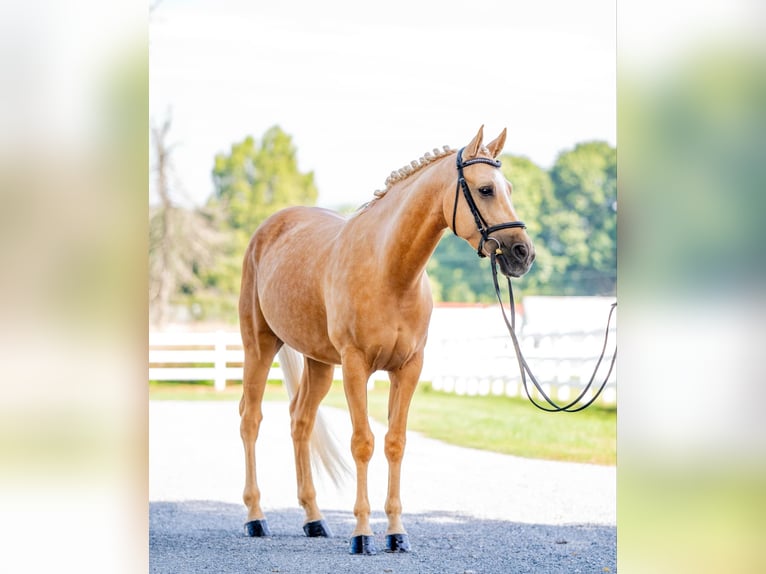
516,259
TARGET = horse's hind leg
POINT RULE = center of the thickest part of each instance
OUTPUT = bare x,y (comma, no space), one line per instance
316,381
260,346
403,383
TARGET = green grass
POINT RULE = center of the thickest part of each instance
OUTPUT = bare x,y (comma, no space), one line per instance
500,424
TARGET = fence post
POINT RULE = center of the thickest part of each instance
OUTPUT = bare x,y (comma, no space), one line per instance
220,361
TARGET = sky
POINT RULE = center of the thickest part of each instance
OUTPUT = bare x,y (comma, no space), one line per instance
365,88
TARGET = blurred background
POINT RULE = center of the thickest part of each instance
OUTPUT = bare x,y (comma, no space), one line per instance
73,240
98,164
691,439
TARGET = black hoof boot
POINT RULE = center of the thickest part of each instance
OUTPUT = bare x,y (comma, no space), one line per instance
257,528
397,543
363,544
317,528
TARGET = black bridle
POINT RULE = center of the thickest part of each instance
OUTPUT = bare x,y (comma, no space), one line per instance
485,230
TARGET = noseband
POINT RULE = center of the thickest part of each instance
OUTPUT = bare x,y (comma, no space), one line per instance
481,223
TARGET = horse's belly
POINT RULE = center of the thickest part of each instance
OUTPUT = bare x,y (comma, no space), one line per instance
299,323
296,315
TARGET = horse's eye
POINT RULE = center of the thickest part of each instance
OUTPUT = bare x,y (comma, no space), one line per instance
487,191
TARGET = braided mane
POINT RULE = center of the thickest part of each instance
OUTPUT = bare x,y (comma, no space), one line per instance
406,171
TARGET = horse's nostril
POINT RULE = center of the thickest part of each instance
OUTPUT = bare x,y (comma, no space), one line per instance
520,251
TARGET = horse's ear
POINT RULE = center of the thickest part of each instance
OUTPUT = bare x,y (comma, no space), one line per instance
495,147
472,149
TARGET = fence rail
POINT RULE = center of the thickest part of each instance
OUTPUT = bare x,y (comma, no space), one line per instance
211,356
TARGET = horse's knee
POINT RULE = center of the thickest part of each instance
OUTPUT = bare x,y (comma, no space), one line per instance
362,445
394,447
249,424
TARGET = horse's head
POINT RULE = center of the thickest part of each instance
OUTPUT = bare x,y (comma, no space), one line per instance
480,211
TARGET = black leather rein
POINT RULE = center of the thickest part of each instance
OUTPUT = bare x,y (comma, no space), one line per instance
524,370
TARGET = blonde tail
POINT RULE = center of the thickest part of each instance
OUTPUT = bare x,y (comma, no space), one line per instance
325,453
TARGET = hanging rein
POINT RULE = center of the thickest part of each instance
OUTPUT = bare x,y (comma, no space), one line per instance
485,230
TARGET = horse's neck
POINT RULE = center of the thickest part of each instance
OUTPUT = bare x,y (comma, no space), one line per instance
408,222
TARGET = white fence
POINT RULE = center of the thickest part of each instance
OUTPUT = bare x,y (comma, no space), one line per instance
469,352
198,357
212,356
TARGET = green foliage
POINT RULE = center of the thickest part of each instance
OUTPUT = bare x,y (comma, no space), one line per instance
584,227
534,199
253,181
459,273
697,170
256,180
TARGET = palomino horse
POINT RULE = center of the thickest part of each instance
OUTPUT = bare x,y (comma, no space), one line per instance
354,291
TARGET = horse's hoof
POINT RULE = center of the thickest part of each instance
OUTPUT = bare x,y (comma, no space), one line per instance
363,544
397,543
257,528
317,528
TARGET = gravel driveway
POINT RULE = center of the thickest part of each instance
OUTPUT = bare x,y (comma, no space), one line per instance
465,510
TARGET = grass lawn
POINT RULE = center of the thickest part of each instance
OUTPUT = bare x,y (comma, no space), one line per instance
500,424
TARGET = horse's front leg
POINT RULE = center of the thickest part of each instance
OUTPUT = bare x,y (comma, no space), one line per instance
356,371
403,383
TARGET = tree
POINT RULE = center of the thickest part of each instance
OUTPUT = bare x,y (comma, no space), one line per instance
161,276
255,180
584,228
534,200
181,240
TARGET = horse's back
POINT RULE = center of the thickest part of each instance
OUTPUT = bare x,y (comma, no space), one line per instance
294,225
